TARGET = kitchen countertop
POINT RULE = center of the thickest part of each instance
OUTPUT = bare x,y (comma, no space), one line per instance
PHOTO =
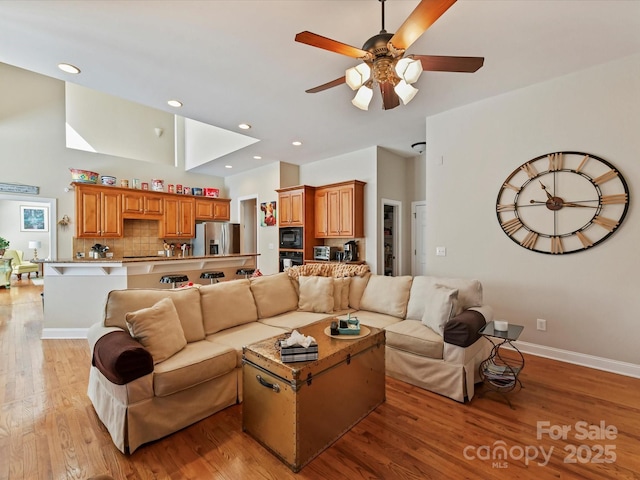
156,258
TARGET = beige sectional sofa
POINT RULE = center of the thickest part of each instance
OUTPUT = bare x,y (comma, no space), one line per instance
159,365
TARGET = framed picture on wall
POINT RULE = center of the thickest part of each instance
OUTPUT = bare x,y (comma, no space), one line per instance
268,216
34,219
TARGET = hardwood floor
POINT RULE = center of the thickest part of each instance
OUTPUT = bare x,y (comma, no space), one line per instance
49,430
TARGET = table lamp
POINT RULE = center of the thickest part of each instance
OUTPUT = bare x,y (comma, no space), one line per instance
35,244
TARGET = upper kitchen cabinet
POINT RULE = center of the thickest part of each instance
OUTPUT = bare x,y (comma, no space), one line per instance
209,209
142,204
339,210
99,212
296,205
179,217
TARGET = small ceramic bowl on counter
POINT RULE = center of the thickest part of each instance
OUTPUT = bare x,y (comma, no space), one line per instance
108,180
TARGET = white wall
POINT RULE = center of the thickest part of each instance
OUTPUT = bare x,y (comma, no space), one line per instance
10,228
260,182
589,299
33,152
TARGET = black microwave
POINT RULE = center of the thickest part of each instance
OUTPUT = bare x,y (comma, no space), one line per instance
291,237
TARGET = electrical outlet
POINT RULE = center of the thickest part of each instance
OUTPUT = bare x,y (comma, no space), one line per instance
542,325
441,251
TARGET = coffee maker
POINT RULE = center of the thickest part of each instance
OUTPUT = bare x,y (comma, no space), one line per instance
351,251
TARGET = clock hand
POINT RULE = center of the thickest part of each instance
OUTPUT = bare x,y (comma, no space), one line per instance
549,196
570,204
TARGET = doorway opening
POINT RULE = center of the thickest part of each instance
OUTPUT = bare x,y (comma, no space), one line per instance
248,224
419,238
391,237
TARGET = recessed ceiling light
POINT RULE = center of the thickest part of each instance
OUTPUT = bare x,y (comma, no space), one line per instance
175,103
257,157
67,67
228,166
297,143
244,126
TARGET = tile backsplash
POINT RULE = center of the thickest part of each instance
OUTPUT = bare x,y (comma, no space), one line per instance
140,239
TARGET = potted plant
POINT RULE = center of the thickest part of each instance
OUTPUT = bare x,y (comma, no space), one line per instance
4,243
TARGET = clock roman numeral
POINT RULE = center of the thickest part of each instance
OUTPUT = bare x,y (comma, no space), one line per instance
605,177
556,245
506,207
530,240
606,223
512,187
611,199
529,169
582,163
512,226
586,243
555,162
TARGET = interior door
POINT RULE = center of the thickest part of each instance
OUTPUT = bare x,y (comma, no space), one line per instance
420,239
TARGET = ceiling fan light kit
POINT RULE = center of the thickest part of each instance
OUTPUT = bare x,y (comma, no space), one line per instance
384,60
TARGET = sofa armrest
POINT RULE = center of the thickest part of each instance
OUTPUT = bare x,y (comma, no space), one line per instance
120,358
462,330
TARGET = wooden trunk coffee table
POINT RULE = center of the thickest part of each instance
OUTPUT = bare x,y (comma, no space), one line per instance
296,410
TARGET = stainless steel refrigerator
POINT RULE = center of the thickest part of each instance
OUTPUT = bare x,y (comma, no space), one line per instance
216,238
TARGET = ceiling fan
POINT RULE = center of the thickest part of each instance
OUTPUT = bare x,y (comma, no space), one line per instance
385,63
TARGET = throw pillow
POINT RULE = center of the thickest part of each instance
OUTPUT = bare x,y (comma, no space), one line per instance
158,329
316,294
341,302
387,295
440,307
273,294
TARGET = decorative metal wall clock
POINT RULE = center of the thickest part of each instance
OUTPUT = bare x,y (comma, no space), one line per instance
562,202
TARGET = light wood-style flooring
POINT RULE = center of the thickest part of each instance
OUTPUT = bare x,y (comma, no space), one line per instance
49,430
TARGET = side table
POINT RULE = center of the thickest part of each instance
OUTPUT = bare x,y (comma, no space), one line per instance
5,272
498,373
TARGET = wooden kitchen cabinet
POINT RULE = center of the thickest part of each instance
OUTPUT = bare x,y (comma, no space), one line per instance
179,217
141,204
292,203
99,212
339,210
218,209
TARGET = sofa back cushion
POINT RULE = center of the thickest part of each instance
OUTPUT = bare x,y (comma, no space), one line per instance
227,304
185,300
357,284
274,294
341,293
469,294
387,295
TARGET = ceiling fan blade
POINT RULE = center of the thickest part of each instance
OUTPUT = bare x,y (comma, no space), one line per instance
424,15
390,98
325,86
332,45
435,63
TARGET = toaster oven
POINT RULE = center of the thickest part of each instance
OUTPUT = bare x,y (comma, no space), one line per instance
324,252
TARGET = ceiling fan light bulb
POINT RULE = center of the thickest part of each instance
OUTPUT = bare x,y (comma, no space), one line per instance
409,69
357,76
405,91
363,98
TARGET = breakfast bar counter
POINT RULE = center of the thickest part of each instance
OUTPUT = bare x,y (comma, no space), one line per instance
75,290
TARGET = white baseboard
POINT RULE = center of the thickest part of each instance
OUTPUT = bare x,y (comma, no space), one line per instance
591,361
63,333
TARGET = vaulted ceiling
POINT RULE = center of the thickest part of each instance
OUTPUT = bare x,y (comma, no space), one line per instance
234,61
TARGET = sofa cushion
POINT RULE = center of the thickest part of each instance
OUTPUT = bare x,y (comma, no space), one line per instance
412,336
197,363
227,304
469,293
387,295
356,289
316,294
291,320
121,358
440,307
274,294
158,329
462,330
238,337
186,301
341,293
374,319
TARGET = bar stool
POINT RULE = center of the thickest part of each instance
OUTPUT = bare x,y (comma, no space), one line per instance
173,279
245,271
213,276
